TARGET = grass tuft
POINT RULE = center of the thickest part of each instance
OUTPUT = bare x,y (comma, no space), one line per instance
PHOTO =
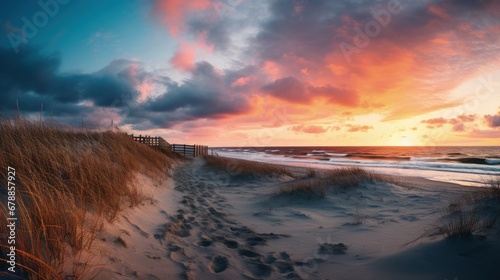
470,214
316,185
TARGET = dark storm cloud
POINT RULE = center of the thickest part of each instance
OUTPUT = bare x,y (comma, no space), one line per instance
204,95
32,79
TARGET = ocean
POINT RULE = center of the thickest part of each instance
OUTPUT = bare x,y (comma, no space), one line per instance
470,166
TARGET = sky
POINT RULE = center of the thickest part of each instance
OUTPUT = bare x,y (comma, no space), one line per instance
259,73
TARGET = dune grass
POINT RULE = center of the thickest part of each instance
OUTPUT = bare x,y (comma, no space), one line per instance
470,214
67,181
316,185
473,213
239,167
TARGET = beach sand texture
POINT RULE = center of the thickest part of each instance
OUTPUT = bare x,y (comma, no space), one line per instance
211,224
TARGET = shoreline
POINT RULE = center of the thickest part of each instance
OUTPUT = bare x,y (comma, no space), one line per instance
448,164
416,181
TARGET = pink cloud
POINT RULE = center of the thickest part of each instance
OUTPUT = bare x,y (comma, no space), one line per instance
467,118
309,129
184,57
173,12
493,120
241,82
458,122
358,128
436,121
458,127
293,90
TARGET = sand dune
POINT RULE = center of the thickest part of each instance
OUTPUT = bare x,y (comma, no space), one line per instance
210,225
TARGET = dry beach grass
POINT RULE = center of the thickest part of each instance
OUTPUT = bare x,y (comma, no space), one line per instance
67,181
473,213
314,184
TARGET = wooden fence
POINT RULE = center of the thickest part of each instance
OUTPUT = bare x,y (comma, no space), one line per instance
190,150
151,141
183,149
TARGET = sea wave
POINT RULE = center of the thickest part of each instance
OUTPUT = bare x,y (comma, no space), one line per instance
493,161
475,160
336,155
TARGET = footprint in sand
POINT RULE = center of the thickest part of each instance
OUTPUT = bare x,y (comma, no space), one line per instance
205,243
253,241
248,253
231,244
219,264
260,269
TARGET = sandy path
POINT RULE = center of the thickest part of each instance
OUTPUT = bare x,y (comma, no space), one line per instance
206,242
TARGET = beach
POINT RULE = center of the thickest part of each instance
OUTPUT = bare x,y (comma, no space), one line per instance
213,223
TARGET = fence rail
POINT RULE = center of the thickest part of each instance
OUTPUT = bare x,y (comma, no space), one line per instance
151,141
183,149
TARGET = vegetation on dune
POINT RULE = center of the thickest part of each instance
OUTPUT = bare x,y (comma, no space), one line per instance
67,181
470,214
239,167
316,185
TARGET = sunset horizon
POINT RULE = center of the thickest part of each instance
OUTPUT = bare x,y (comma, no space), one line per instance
250,139
258,73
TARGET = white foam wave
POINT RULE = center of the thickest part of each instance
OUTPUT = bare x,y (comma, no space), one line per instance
336,155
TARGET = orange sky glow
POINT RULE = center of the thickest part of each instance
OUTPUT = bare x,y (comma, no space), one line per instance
430,81
270,73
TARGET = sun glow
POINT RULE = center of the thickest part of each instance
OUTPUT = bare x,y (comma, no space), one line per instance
405,141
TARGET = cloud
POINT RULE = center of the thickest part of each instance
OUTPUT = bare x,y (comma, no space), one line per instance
173,12
458,123
467,118
410,67
204,95
358,128
120,89
436,121
315,129
212,29
184,58
32,79
407,70
295,91
289,89
493,121
458,127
